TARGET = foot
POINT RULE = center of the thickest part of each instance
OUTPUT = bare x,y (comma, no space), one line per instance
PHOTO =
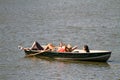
20,47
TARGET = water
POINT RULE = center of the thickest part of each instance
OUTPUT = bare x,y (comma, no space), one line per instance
78,22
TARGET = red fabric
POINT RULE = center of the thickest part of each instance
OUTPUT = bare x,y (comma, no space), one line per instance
61,50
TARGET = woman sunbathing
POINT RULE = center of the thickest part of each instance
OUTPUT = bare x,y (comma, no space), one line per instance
35,46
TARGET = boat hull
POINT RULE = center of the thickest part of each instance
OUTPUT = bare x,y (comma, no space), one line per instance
96,56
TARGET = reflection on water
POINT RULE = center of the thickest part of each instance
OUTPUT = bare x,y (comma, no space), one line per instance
57,69
85,63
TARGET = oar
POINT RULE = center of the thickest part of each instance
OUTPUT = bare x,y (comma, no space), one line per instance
30,55
37,52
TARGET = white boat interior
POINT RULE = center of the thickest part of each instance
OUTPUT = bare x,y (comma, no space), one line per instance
91,51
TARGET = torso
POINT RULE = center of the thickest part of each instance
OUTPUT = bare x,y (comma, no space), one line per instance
61,50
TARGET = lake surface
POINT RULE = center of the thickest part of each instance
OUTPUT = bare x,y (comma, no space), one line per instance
78,22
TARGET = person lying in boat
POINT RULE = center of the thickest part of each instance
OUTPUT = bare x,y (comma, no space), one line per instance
70,48
63,48
86,48
51,47
35,46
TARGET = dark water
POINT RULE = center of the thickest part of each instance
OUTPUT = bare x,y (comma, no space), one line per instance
78,22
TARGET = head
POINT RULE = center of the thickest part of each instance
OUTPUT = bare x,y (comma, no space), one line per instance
69,46
86,48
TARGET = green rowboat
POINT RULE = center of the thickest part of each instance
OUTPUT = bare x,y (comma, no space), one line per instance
93,55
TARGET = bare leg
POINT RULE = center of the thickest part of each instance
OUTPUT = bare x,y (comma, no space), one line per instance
33,45
50,47
36,46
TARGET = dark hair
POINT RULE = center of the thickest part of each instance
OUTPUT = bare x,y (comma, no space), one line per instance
86,48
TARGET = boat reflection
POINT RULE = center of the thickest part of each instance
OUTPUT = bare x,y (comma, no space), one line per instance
84,63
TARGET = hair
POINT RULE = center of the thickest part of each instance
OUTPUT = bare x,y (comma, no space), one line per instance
86,48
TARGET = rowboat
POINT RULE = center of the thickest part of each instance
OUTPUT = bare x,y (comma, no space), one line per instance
80,55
